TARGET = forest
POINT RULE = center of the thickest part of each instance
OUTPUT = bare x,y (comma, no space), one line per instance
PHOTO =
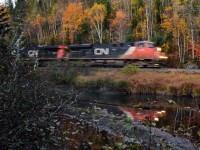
40,107
174,25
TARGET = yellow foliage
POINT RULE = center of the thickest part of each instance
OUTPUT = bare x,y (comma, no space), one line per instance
72,19
140,11
168,9
165,47
97,13
96,16
133,2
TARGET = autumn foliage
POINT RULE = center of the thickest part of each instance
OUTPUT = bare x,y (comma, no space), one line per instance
72,19
172,25
119,24
4,21
96,16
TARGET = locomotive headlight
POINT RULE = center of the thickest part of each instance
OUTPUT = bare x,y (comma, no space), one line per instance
156,119
158,49
163,57
163,111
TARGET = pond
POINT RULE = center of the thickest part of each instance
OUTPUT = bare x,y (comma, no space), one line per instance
179,116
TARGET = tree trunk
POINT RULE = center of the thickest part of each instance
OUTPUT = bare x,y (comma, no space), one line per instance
192,36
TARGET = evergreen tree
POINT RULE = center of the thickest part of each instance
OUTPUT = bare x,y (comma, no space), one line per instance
4,53
159,11
4,22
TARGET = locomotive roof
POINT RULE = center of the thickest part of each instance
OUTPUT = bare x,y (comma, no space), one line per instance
143,42
80,46
88,46
53,47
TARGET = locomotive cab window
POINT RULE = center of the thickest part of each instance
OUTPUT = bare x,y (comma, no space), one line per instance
140,45
150,45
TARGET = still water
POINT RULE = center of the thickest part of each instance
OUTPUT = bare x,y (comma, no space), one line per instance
173,114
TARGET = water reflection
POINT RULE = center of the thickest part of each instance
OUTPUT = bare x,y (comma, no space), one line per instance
159,106
181,115
143,115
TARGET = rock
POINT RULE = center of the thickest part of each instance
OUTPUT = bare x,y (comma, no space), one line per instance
55,120
191,66
58,123
104,112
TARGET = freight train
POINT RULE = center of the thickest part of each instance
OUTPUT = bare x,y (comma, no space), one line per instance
141,53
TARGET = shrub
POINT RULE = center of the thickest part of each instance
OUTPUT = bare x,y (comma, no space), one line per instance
121,85
99,83
187,89
79,81
173,90
68,73
130,69
66,76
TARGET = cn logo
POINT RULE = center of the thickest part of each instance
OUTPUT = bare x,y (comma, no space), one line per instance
32,53
101,51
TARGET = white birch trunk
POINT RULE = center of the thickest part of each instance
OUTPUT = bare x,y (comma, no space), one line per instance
147,23
179,49
192,36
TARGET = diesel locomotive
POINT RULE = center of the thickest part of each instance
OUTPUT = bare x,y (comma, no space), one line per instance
141,53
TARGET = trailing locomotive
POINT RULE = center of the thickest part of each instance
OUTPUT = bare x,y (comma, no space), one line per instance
42,55
142,53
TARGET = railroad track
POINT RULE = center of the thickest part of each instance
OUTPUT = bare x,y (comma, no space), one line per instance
147,69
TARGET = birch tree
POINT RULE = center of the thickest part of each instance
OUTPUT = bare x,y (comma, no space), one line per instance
96,16
174,24
192,15
149,6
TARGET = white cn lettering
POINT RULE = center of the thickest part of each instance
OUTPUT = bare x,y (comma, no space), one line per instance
101,51
32,53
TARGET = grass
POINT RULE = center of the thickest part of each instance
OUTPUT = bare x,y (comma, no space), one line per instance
145,82
136,82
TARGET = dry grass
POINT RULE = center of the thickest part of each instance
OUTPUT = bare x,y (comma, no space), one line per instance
165,83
